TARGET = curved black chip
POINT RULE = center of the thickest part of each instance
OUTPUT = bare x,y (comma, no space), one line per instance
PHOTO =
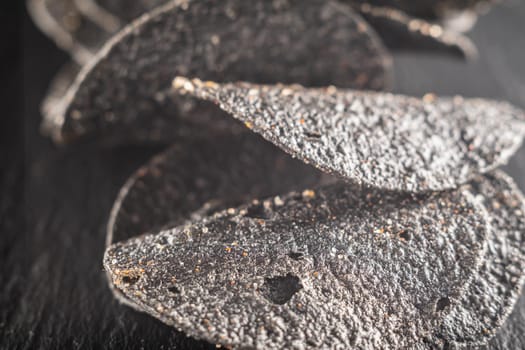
496,287
219,172
331,267
125,90
388,141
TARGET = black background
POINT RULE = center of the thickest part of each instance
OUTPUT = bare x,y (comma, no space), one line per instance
54,203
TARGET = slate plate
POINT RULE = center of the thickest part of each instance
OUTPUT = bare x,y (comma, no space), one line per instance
397,29
219,172
328,267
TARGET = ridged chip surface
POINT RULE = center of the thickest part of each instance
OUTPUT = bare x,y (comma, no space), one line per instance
219,172
332,267
388,141
497,286
125,90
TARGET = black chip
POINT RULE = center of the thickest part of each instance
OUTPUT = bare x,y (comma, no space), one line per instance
497,286
377,270
126,89
388,141
219,172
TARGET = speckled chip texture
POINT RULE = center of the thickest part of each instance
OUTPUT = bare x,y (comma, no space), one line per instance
125,88
497,286
219,172
388,141
331,268
395,28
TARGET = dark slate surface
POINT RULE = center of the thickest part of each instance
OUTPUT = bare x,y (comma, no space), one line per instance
54,203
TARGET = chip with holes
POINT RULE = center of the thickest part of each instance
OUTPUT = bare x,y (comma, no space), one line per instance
125,91
330,267
496,287
219,172
388,141
398,30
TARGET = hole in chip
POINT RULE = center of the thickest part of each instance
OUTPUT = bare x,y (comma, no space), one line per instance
312,135
130,279
404,235
280,289
442,304
295,255
257,211
173,290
